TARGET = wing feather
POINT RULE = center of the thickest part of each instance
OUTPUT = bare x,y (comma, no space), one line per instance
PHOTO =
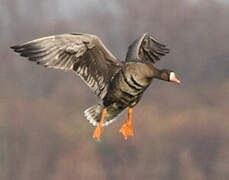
84,54
146,48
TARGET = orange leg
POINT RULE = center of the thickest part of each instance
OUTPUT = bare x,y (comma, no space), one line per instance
126,128
99,128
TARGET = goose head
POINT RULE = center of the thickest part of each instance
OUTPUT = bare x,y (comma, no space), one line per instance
168,75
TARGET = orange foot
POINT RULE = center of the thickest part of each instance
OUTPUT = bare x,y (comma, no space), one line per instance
99,128
126,128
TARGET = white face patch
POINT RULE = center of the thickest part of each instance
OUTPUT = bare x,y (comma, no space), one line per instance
171,76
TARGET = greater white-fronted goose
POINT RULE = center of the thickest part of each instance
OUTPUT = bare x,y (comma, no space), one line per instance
118,84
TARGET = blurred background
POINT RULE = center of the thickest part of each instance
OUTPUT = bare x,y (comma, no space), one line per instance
181,131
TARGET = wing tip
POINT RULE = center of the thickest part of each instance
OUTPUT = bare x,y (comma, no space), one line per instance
17,48
14,47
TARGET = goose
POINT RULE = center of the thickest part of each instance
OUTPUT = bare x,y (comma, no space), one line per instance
118,84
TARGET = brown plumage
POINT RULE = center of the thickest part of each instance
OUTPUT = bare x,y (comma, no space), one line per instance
118,84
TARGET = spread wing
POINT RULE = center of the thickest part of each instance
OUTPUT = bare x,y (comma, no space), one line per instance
146,48
85,54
